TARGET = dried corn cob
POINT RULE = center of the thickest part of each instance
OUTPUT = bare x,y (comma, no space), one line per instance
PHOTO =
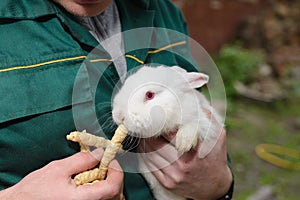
87,177
86,139
112,147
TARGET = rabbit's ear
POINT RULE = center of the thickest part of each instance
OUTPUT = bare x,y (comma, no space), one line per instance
178,69
195,79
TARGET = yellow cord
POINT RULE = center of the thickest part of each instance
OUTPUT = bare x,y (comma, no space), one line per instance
134,58
167,47
271,152
42,64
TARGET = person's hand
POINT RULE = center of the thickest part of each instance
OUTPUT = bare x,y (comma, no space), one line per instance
54,181
190,175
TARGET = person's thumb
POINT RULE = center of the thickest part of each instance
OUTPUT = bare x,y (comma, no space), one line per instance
82,161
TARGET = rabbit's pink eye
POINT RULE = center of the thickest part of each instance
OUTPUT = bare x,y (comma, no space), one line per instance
149,95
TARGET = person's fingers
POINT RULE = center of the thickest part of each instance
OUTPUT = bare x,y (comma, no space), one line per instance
109,188
221,145
163,162
152,144
80,162
213,147
160,152
155,161
115,173
214,121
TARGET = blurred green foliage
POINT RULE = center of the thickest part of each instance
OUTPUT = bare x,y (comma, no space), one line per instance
252,124
249,123
238,64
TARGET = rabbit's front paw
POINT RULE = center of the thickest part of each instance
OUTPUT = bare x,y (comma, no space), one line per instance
186,138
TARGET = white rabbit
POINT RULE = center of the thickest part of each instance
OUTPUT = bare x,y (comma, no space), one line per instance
159,100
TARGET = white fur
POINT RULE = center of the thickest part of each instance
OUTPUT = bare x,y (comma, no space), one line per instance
175,106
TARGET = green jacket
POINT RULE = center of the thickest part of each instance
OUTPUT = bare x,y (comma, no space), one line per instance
42,48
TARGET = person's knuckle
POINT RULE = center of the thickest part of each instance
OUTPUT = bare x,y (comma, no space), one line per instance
54,165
